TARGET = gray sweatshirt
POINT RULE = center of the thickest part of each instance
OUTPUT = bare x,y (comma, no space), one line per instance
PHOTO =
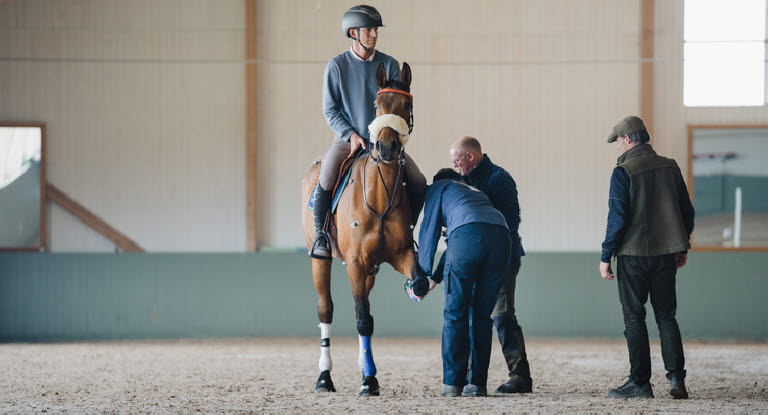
349,91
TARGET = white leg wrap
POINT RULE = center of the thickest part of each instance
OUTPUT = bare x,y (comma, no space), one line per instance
325,330
361,355
325,362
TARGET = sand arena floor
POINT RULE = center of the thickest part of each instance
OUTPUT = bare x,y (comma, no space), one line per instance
278,375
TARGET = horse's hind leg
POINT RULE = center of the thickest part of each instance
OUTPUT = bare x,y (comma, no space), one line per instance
321,275
361,288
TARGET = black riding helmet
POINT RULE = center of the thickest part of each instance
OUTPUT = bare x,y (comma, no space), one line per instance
360,16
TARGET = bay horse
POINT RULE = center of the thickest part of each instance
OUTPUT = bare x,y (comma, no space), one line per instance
371,225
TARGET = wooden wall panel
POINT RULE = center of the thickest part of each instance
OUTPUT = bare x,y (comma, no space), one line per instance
144,104
540,84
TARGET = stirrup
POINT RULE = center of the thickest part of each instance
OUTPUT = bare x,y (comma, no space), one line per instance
312,253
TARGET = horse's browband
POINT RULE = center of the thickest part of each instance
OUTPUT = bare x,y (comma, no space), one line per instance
396,91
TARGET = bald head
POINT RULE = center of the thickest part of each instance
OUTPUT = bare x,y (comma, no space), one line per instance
468,144
466,154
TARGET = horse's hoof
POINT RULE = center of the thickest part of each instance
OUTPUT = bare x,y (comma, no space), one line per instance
324,382
369,387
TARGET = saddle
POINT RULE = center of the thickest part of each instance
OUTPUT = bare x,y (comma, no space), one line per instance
345,171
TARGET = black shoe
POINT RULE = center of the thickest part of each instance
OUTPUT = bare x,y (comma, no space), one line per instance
516,385
677,388
474,390
321,248
632,390
450,391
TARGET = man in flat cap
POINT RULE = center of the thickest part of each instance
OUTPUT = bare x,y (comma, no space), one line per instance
650,220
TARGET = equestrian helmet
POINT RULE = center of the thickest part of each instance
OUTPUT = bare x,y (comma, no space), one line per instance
361,16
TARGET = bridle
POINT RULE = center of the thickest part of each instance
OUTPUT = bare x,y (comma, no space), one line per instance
402,89
400,165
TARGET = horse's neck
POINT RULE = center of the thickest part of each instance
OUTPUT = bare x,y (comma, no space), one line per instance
375,189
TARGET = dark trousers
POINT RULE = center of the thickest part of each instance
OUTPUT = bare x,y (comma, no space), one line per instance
476,259
638,276
509,331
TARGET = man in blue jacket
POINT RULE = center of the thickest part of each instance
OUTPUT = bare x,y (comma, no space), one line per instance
349,92
477,170
472,268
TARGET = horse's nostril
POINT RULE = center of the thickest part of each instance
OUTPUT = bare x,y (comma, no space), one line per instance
394,147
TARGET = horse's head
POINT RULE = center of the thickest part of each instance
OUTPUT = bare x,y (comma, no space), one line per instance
394,115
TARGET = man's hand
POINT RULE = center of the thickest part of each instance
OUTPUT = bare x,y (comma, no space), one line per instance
414,297
356,142
605,270
680,259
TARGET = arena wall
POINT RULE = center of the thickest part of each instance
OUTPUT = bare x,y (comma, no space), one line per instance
145,106
144,103
52,297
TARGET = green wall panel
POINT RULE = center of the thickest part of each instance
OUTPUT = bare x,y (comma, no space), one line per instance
51,297
716,194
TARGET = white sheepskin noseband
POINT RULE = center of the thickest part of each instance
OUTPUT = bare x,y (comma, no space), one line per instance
392,121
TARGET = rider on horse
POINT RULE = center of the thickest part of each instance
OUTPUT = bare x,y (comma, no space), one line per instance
349,91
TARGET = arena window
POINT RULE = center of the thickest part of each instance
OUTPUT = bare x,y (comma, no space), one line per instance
724,53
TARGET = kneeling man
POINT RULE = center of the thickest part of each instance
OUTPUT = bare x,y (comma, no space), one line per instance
472,267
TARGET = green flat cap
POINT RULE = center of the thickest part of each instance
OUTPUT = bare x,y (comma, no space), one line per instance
628,125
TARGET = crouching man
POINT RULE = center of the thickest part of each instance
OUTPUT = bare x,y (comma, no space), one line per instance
472,269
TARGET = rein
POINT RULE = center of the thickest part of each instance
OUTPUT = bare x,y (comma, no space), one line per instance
390,200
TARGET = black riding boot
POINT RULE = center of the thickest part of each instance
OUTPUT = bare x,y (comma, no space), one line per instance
321,248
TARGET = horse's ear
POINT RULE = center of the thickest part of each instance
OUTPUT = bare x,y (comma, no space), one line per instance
405,74
381,76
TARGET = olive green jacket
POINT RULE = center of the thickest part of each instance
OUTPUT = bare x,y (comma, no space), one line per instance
657,193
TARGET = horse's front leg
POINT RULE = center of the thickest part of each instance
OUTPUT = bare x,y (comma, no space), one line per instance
362,283
407,263
321,275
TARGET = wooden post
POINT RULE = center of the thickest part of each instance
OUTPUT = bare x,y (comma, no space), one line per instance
646,63
252,241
